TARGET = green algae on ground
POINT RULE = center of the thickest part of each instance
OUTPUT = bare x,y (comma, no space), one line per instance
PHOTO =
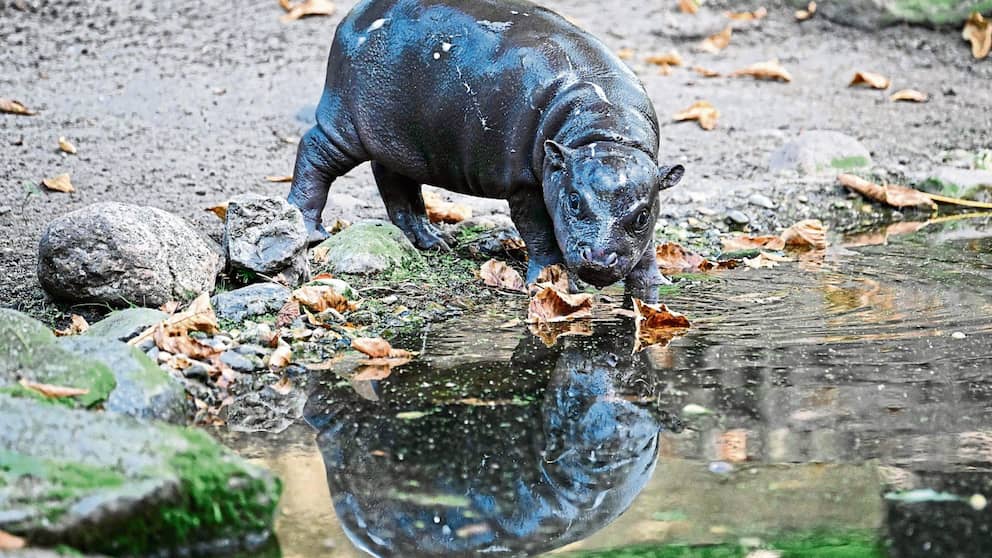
856,544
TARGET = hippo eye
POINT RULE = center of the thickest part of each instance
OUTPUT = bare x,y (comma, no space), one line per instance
574,202
642,220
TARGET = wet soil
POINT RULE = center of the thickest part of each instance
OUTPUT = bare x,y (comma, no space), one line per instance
181,104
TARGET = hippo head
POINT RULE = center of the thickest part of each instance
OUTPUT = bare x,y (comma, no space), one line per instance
603,199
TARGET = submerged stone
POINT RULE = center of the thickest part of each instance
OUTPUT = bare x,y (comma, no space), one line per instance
821,152
110,484
125,324
368,247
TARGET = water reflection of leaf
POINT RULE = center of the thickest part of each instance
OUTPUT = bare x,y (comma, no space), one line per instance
881,237
549,333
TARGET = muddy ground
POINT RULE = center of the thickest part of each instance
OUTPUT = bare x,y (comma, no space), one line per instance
181,104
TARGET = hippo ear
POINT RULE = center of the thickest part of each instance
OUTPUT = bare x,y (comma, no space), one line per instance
669,176
555,154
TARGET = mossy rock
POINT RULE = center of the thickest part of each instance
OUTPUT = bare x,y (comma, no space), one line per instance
28,351
367,247
110,484
125,324
871,14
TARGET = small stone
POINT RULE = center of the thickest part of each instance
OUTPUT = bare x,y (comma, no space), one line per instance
252,349
251,301
761,200
738,217
706,211
958,335
239,362
267,236
390,300
198,371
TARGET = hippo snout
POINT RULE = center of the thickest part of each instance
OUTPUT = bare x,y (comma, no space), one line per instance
600,267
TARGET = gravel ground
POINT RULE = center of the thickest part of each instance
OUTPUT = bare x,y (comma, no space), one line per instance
180,104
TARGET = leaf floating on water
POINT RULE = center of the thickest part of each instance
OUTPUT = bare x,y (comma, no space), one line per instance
52,391
11,542
378,348
670,58
440,211
765,70
870,79
279,178
495,273
743,242
760,13
803,15
60,183
890,194
66,146
306,8
11,106
715,43
550,333
552,304
220,210
688,6
77,325
655,324
910,95
702,112
978,31
809,233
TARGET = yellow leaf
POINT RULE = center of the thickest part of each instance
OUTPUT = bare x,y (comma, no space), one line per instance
911,95
220,210
76,326
306,8
552,304
440,211
60,183
705,72
53,392
495,273
873,80
279,178
979,32
625,53
319,298
11,106
808,233
715,43
701,111
742,242
688,6
670,58
803,15
66,146
765,70
760,13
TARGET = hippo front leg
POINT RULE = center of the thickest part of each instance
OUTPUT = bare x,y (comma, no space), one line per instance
643,281
404,203
537,231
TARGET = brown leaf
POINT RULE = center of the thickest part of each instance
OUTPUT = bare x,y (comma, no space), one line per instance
51,391
550,333
11,106
803,15
169,307
306,8
978,31
743,242
495,273
625,54
890,194
553,275
766,260
731,446
288,314
715,43
760,13
319,298
705,72
279,178
398,357
809,233
376,347
673,259
870,79
552,304
60,183
670,58
66,146
910,95
688,6
655,324
765,70
281,357
11,542
701,111
440,211
172,335
76,326
220,210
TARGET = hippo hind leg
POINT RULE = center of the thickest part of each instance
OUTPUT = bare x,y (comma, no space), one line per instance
405,206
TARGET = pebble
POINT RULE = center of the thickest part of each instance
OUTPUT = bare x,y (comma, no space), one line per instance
389,300
958,335
198,371
252,349
738,217
239,362
761,200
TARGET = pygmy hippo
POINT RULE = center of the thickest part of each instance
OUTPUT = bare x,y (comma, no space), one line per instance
500,99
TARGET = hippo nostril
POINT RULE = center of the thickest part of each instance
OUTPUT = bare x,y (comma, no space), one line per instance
611,260
586,254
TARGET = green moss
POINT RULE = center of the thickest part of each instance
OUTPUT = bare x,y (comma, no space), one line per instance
57,482
669,290
698,277
936,12
856,544
849,163
467,235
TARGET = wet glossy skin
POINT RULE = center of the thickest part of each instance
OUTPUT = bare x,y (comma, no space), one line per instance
500,99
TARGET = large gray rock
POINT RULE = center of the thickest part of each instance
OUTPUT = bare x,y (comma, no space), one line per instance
110,484
267,236
143,389
821,152
367,247
120,254
125,324
247,302
872,14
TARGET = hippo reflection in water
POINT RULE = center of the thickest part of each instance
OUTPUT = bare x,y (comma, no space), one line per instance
562,454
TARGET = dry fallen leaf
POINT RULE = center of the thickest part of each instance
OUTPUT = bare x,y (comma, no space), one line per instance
305,8
552,304
765,70
279,178
873,80
688,6
321,297
66,146
440,211
281,357
378,348
760,13
11,106
910,95
77,325
715,43
670,58
51,391
288,314
978,31
705,72
743,242
172,335
169,307
673,259
625,53
803,15
655,324
809,233
220,210
890,194
550,333
553,275
495,273
60,183
11,542
766,260
701,111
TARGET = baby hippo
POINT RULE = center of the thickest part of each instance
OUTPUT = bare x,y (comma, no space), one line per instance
499,99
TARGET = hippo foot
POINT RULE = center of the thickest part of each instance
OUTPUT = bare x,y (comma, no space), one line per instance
429,237
316,233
